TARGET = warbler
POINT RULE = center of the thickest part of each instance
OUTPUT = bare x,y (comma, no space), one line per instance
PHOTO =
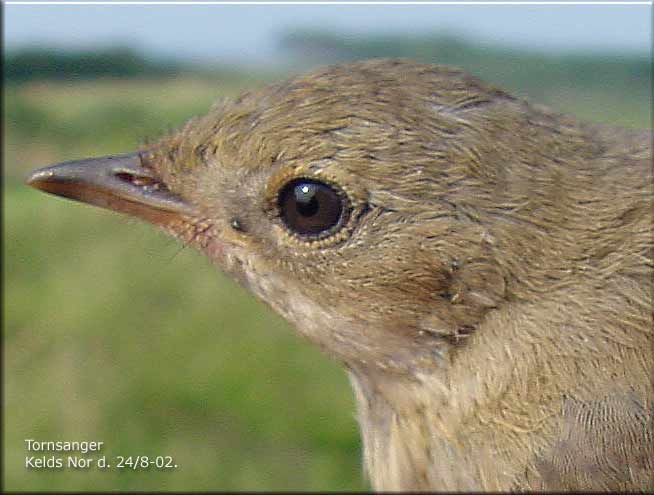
480,265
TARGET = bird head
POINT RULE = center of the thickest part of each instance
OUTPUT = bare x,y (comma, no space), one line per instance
355,201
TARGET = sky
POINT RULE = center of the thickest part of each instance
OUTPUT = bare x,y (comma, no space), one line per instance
248,34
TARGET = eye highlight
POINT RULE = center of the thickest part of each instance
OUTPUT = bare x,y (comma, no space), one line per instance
312,209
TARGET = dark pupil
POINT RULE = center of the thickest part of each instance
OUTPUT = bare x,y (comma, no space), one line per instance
310,207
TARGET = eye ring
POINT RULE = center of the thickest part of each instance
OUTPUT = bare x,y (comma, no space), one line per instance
312,209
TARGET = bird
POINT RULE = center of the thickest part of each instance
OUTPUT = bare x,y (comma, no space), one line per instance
480,265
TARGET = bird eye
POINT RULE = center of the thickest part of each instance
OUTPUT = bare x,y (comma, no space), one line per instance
311,208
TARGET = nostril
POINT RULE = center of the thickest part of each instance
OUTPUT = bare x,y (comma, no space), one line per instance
140,180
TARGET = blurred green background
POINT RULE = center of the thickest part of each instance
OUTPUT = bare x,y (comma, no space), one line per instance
113,332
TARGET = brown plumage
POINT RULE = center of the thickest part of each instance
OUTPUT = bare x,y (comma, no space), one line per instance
481,265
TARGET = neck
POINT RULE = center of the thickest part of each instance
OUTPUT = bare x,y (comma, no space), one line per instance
442,429
410,441
485,418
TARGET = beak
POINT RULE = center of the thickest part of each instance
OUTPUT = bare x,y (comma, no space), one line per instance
120,183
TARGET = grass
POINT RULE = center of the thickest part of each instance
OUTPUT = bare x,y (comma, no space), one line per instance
114,333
